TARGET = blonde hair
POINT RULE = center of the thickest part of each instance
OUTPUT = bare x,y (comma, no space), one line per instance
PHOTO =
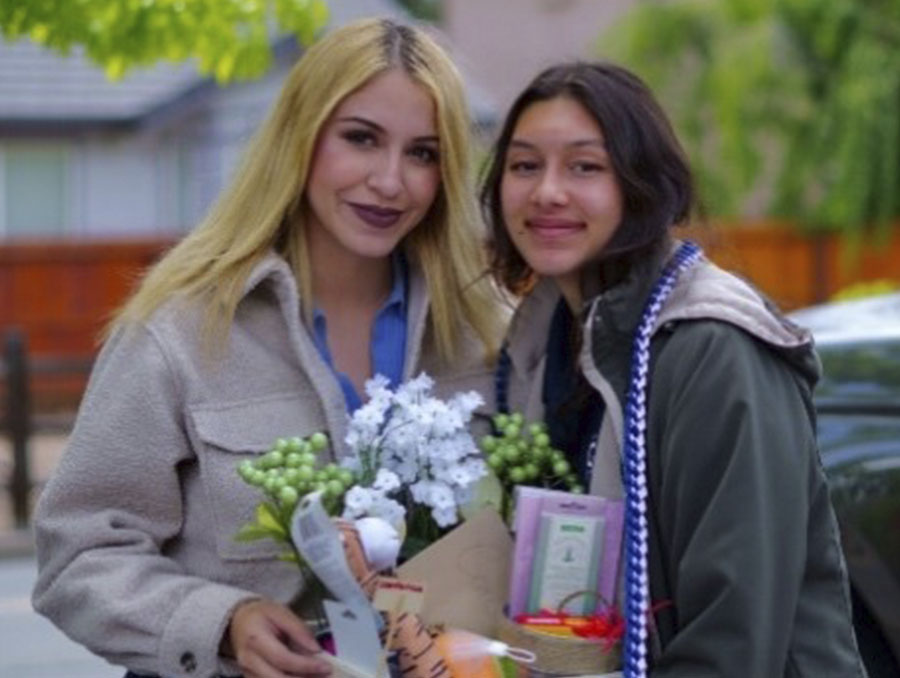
263,207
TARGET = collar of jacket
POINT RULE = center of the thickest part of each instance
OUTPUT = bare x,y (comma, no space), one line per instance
621,307
274,274
611,316
273,270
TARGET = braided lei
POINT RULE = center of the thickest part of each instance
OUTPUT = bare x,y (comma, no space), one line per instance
637,580
634,471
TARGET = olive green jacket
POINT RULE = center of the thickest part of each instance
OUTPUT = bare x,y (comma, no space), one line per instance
744,546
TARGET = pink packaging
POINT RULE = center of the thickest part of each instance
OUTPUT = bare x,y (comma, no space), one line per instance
564,543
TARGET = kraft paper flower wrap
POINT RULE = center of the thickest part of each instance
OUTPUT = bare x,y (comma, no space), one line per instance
414,464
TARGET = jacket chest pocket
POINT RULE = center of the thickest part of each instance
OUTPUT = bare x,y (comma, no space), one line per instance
228,433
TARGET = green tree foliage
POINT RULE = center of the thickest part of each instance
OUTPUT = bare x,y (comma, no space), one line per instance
428,10
230,39
793,105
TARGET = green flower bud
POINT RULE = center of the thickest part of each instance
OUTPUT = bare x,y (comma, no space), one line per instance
496,461
489,443
511,431
288,496
318,441
274,459
511,453
246,469
561,467
537,428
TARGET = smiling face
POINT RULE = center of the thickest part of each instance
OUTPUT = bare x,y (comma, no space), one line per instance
375,171
560,197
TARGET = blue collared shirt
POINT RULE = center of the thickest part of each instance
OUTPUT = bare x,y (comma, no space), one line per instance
387,347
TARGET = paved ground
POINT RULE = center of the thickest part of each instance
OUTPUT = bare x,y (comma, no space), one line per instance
44,452
30,646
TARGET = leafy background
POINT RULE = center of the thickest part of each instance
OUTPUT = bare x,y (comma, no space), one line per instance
789,108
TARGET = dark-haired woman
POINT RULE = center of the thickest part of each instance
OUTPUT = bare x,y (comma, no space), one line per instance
670,383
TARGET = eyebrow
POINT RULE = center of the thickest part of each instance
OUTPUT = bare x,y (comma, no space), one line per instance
429,138
579,143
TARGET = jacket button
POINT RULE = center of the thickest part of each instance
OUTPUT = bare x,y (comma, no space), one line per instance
188,662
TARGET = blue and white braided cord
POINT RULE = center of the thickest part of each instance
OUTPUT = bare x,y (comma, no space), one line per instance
637,581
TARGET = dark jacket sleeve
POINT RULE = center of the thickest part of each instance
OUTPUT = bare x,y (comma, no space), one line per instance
736,490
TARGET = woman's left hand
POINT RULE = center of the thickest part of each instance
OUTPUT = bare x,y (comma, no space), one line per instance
270,641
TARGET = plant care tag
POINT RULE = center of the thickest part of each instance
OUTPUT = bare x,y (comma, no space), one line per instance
355,637
318,540
396,596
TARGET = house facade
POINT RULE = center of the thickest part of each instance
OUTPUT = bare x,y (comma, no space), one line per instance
85,158
504,43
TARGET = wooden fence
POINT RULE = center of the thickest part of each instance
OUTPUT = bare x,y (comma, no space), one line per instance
60,294
797,269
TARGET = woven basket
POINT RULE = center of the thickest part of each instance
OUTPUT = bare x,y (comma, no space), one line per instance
558,656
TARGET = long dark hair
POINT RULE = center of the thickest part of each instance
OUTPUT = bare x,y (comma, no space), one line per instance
648,160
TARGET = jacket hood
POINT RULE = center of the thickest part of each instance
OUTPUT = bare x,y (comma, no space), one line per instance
703,292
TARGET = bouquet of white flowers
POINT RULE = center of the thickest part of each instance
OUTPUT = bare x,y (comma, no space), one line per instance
413,463
415,458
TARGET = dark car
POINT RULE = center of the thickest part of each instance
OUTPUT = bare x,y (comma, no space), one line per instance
858,405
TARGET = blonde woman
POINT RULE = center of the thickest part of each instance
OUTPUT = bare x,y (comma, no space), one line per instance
345,246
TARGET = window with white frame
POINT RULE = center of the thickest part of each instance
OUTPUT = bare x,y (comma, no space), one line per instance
33,190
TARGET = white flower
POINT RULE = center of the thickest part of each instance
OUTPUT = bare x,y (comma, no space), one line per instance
466,403
447,421
377,387
406,469
369,417
386,481
433,493
460,475
357,501
419,491
416,387
408,438
445,517
441,497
